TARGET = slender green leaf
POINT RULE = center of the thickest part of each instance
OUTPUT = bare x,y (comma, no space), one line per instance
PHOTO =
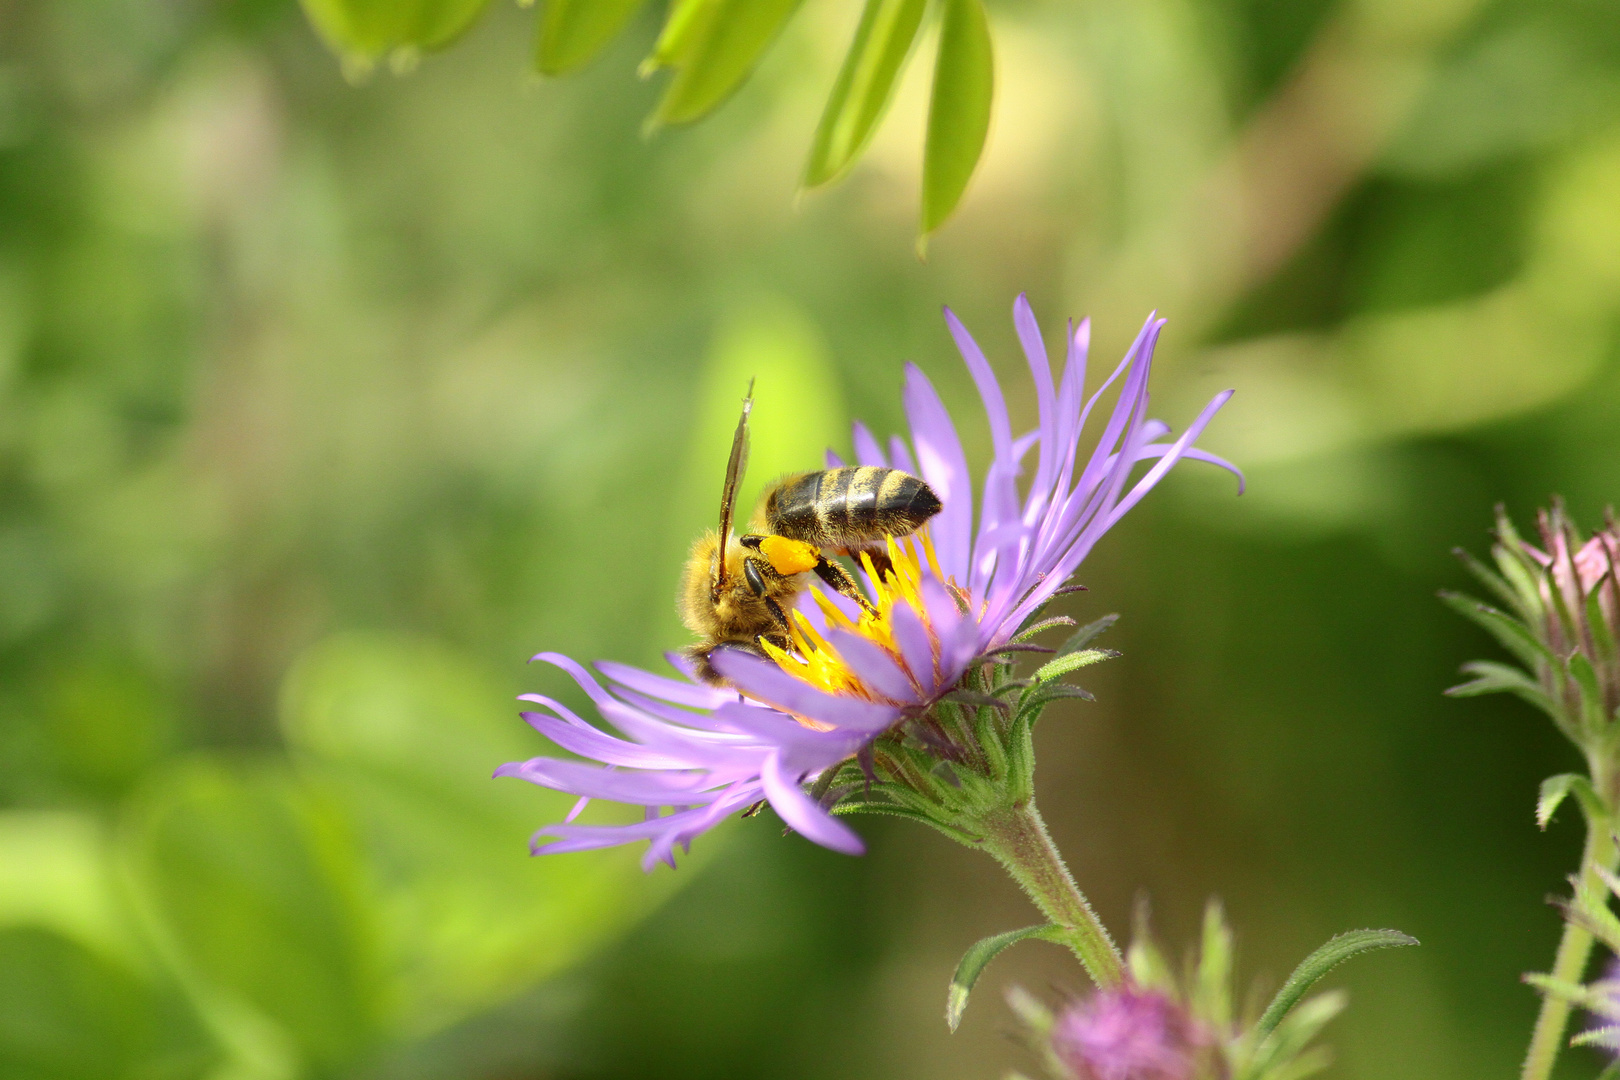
371,28
1062,665
959,110
716,54
572,32
978,957
864,86
684,27
1320,962
891,810
1574,993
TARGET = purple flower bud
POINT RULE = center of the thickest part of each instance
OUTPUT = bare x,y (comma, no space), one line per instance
1127,1034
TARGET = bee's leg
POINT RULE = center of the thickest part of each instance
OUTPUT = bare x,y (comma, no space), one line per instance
836,576
781,620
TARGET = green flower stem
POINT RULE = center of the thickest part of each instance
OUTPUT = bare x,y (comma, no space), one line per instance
1017,837
1573,951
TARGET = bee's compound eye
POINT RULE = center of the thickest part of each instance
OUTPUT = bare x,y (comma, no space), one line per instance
751,574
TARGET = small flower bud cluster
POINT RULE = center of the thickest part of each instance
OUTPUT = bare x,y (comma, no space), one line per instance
1156,1026
1561,619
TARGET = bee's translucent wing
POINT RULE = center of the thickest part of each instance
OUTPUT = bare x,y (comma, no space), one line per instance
735,468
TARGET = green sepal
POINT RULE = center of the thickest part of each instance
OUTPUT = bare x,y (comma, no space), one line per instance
978,957
1087,634
684,27
1060,666
1576,994
1211,988
1608,1037
910,814
1143,957
1042,626
1281,1053
1491,580
1037,698
573,32
1513,634
1555,789
865,84
958,110
1612,1072
1494,678
714,53
1329,956
1594,718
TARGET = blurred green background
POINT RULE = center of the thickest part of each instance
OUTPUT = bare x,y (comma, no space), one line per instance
323,406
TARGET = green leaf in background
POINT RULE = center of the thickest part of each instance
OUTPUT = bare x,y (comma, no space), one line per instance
572,32
367,29
67,1013
713,45
978,957
864,87
258,882
54,874
959,111
1319,963
408,733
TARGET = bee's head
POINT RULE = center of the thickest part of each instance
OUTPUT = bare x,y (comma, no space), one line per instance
733,609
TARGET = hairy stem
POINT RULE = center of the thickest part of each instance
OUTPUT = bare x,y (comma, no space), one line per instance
1573,951
1017,837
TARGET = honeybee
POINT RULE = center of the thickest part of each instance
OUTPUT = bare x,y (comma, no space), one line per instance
737,590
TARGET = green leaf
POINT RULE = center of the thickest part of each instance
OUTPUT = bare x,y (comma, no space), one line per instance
959,110
572,32
407,733
1037,698
864,86
369,28
1062,665
256,878
1319,963
1489,578
1555,789
978,957
716,48
684,26
67,1013
1143,957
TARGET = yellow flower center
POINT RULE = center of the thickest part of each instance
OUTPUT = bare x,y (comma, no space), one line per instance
814,660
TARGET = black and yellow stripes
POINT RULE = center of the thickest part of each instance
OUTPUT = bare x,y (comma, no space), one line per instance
851,507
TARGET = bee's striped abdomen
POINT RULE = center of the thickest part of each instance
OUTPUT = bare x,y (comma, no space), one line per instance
850,507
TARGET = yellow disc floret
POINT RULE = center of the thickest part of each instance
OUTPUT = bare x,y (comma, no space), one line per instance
816,661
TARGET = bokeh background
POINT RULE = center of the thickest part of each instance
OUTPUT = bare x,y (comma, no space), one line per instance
323,406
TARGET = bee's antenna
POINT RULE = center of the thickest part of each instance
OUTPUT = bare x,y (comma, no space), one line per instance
735,467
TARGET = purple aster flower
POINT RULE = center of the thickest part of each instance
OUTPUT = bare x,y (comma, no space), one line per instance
1126,1034
952,602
